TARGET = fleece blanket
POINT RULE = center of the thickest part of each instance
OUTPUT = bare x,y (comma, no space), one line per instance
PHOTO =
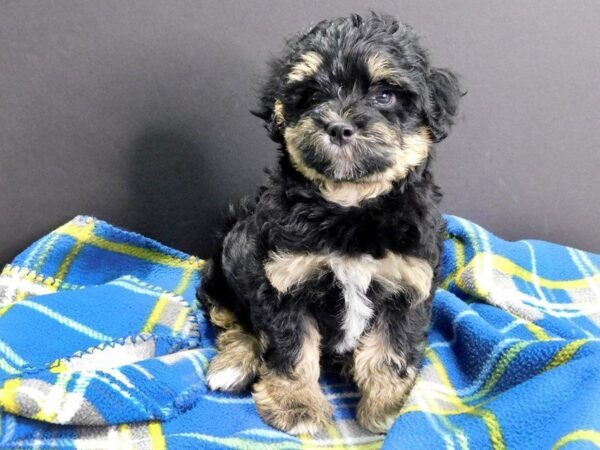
102,346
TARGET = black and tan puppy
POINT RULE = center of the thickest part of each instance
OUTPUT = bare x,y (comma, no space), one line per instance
336,258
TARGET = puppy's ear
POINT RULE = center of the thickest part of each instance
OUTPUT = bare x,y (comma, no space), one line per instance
267,109
442,104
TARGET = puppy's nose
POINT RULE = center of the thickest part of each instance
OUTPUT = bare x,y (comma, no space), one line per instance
341,132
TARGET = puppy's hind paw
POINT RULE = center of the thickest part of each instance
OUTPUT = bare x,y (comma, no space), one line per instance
227,377
230,379
238,362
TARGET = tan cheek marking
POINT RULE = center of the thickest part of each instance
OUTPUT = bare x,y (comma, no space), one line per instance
293,135
307,66
285,270
389,135
413,151
396,271
298,133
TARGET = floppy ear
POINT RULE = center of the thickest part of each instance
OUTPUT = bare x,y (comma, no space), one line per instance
444,93
267,110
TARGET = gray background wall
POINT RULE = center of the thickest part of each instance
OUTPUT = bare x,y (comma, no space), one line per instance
137,112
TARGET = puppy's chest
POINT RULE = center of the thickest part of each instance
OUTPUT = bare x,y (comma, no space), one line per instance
368,230
354,276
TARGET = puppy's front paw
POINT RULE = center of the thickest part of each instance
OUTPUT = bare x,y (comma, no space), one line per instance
377,415
382,400
291,406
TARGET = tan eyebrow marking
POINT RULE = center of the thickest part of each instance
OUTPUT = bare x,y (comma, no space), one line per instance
307,66
381,68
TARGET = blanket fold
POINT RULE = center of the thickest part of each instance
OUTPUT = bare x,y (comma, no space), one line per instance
102,346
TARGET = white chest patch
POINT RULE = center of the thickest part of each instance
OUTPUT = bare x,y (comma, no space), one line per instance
394,272
354,275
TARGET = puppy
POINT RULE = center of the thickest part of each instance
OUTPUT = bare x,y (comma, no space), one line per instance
335,260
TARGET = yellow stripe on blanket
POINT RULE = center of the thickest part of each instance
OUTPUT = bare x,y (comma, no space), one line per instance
460,256
82,234
156,313
592,436
156,436
566,353
180,321
73,230
8,395
489,419
509,267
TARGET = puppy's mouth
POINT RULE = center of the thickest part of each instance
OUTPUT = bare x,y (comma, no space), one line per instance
368,152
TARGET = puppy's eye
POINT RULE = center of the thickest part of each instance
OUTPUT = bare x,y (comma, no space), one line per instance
316,97
385,98
310,98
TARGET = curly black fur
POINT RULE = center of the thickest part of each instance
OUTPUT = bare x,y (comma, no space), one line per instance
290,214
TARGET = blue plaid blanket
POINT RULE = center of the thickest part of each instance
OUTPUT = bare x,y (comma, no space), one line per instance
102,346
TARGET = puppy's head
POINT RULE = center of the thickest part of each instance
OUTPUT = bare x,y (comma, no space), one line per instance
354,99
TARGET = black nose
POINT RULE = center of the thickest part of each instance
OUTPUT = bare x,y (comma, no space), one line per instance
340,132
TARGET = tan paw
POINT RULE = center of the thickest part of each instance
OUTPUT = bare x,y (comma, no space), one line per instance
377,416
293,408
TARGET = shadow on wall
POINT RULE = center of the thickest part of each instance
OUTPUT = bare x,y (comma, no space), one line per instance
168,176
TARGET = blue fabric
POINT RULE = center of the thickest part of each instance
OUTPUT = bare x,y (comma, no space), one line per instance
102,346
